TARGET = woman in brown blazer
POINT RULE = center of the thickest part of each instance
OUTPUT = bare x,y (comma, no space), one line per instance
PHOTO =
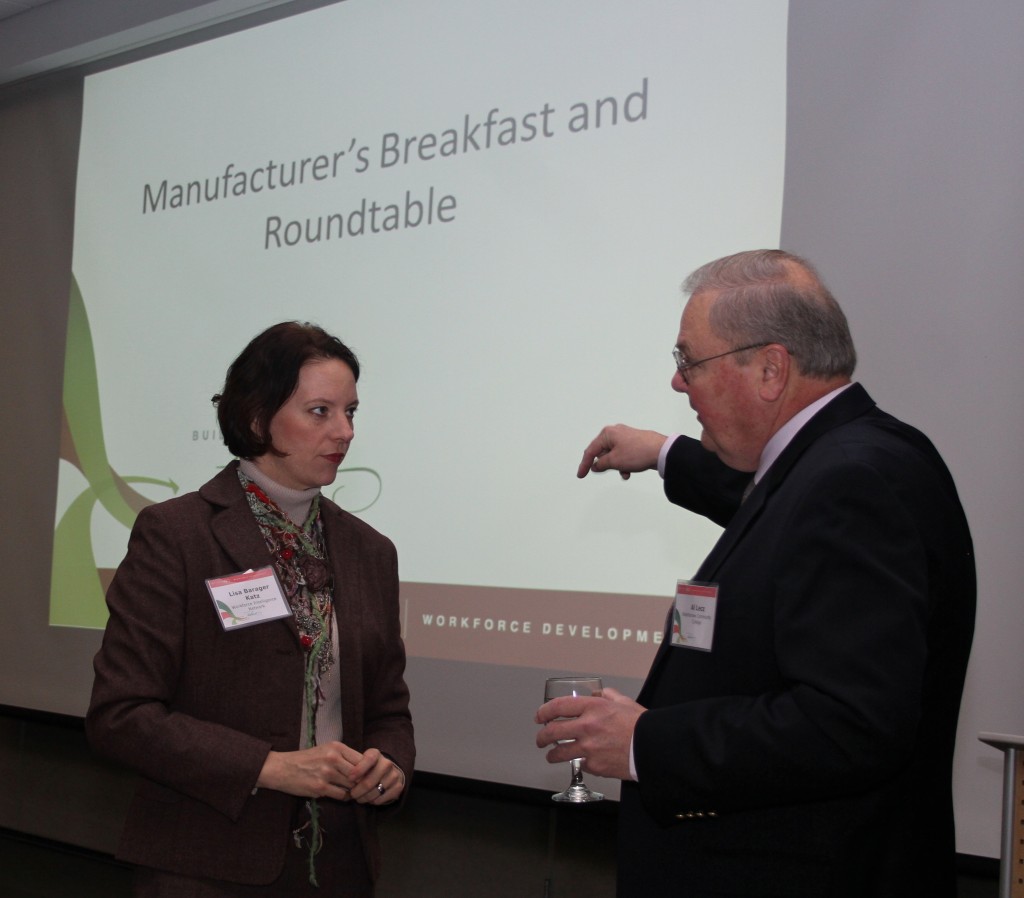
267,752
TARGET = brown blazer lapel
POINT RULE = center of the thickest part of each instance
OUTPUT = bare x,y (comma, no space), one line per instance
343,550
235,529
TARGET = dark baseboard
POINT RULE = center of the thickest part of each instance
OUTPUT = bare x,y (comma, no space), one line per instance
977,867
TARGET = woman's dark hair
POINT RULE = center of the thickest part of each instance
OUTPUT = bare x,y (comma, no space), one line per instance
264,376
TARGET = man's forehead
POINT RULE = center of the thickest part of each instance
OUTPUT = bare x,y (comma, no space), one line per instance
693,324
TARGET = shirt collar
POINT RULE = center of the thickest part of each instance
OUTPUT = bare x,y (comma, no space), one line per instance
784,435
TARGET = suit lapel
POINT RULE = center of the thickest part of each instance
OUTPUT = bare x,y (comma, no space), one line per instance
342,553
850,404
741,521
236,530
233,524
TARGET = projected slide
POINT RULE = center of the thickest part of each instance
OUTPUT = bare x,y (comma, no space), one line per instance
494,205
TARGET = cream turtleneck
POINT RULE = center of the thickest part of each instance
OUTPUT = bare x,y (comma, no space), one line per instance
294,503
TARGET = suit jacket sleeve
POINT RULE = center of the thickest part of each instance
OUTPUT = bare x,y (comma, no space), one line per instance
696,479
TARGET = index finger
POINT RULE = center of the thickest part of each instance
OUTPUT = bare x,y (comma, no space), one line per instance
595,449
366,763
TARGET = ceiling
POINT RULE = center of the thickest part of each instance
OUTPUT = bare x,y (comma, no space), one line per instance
10,8
41,36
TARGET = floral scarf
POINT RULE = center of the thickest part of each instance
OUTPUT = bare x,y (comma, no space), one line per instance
300,560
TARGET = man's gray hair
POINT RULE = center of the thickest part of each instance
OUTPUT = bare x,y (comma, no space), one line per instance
771,296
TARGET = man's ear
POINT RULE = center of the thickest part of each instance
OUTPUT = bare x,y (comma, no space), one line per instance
776,367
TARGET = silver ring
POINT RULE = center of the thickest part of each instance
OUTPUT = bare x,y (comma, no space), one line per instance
381,789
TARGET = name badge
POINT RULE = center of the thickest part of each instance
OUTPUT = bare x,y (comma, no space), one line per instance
693,617
247,598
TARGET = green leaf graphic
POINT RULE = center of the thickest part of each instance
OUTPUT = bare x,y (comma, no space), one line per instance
76,589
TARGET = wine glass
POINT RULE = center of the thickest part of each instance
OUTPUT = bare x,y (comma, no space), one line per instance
555,687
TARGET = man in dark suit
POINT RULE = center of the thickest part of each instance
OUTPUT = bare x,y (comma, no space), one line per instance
794,736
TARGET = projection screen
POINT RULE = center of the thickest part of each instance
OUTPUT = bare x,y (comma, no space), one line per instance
494,208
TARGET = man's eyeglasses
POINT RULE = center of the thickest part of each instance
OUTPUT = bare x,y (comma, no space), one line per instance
683,365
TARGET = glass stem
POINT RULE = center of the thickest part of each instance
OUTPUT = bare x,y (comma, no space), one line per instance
577,771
